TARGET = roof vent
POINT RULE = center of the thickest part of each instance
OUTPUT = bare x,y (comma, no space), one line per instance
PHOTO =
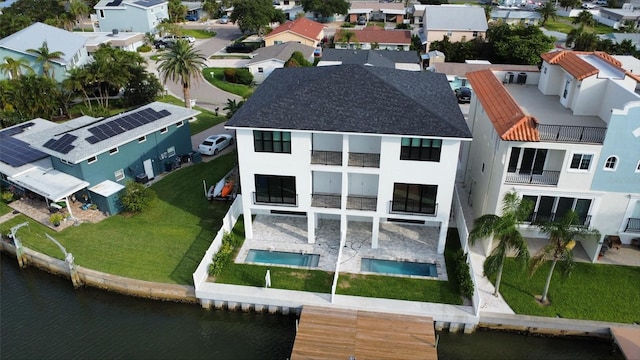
114,32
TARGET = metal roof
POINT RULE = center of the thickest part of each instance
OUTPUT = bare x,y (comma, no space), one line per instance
455,18
34,35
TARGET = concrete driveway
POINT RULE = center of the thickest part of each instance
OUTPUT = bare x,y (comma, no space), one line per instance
218,129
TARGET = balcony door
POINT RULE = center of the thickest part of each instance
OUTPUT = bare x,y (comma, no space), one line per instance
527,161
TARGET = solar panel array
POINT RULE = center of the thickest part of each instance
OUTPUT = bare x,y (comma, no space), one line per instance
114,3
124,123
16,152
62,145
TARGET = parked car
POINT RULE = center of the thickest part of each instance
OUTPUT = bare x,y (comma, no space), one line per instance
463,94
160,44
362,20
588,6
239,48
191,17
190,39
214,144
224,19
317,52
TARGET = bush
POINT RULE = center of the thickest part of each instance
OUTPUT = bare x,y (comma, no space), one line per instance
144,48
244,77
462,274
347,25
224,254
136,197
230,75
403,26
7,197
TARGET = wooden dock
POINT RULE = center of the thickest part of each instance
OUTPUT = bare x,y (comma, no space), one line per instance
325,333
628,340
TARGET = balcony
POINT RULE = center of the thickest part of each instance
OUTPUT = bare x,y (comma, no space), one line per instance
362,202
633,225
547,177
320,157
283,200
364,160
537,218
572,134
323,200
412,208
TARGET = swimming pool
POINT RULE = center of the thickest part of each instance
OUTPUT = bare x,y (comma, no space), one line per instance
282,258
398,267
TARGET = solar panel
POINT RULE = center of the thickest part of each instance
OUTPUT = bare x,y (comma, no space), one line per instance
17,152
124,123
62,145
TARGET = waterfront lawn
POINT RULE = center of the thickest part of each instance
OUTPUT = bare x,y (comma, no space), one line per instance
205,120
218,81
164,244
592,292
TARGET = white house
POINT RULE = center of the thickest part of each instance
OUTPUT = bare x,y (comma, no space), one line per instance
274,57
351,143
566,138
129,15
373,38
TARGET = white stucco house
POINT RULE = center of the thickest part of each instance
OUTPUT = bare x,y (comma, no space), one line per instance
129,15
565,138
351,143
274,57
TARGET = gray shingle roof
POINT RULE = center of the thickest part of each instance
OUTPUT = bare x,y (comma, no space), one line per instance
34,35
455,17
384,58
354,99
281,52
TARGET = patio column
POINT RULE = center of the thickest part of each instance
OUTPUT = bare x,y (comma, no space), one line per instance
343,229
66,201
248,223
311,227
375,232
442,239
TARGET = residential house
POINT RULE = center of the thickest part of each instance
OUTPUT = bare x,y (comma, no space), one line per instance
128,41
194,10
617,38
566,138
515,17
373,38
93,158
388,12
402,60
457,72
291,9
415,13
301,30
129,15
627,16
351,144
274,57
17,46
457,22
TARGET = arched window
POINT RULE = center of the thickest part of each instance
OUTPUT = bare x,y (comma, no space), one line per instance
611,163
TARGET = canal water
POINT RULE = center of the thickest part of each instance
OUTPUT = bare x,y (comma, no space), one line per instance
43,317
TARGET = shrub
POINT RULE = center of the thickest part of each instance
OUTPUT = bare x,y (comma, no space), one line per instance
144,48
136,197
230,75
243,76
224,254
297,56
56,218
463,276
7,196
347,25
403,26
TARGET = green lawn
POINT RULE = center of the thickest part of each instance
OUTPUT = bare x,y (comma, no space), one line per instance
164,244
564,25
592,292
205,120
198,33
4,208
217,80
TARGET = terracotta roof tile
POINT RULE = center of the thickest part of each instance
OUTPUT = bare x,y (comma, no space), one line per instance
301,26
510,122
580,69
379,36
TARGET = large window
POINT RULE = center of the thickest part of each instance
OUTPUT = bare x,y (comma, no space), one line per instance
527,160
414,198
272,141
420,149
551,208
581,161
274,189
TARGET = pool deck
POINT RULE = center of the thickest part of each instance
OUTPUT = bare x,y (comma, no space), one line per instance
396,242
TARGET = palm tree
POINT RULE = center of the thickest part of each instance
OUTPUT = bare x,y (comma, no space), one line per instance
182,63
346,36
505,229
44,56
232,106
586,41
79,10
13,67
561,243
78,80
548,10
573,35
584,18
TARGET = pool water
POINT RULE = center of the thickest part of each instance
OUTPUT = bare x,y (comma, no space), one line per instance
398,267
282,258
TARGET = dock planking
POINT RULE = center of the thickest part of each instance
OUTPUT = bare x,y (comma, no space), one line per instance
325,333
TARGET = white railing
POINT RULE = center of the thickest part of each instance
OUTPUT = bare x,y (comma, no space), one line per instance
228,222
463,233
334,285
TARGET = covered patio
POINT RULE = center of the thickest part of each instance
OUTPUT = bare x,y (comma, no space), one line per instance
400,242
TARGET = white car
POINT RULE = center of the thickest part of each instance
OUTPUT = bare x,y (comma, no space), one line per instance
214,144
190,39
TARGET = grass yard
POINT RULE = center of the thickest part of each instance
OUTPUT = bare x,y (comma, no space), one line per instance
205,120
198,33
218,81
4,208
592,292
164,244
563,24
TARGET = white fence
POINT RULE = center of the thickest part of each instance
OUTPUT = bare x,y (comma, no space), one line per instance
202,271
463,233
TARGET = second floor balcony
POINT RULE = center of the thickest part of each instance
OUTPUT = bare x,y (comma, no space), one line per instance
572,134
633,225
326,200
364,160
540,218
544,177
362,202
322,157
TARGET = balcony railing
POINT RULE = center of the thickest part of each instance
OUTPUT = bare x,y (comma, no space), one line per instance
262,199
325,200
545,178
364,160
633,225
322,157
362,202
412,208
572,134
537,218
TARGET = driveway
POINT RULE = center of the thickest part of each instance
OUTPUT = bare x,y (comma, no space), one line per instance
218,129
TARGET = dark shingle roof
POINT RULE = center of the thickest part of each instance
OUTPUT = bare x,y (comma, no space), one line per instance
386,58
355,99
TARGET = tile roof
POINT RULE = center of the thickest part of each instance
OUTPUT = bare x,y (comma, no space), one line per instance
510,122
301,26
571,62
354,99
380,36
281,52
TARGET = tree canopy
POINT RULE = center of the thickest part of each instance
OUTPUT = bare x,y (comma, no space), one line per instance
182,63
253,16
326,8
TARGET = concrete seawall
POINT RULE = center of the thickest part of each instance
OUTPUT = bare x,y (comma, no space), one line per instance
119,284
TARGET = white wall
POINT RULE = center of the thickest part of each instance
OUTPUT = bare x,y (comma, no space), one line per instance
615,96
550,83
363,184
327,142
267,68
327,182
